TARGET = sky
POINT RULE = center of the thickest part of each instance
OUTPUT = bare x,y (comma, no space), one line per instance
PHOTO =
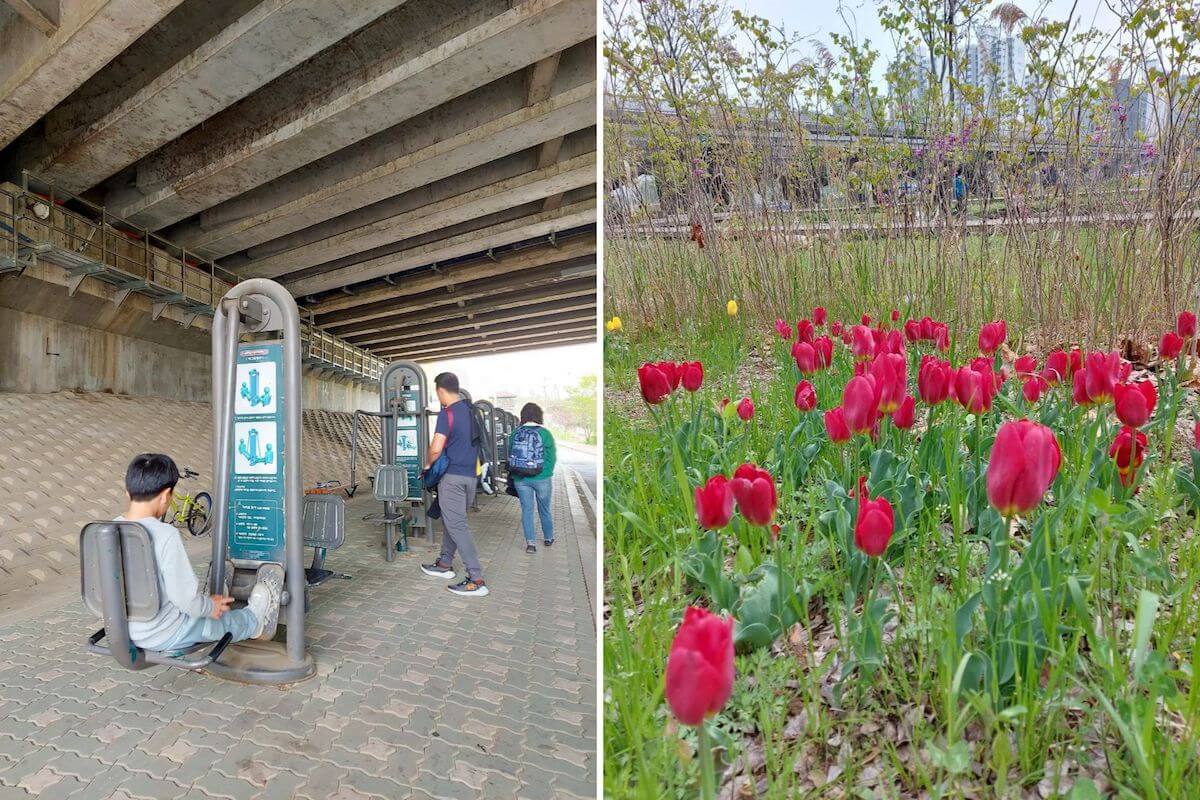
546,371
817,18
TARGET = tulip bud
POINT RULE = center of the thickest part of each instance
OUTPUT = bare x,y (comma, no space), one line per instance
819,316
860,404
714,503
875,524
804,331
1170,346
613,325
934,377
745,409
699,677
754,490
691,375
891,380
1025,458
1026,365
655,386
991,336
806,396
1185,324
905,414
1134,402
895,314
835,426
805,356
1128,450
862,342
731,308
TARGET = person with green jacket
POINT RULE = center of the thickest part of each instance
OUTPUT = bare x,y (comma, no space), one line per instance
533,485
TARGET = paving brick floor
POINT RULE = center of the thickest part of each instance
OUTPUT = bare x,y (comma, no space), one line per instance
418,693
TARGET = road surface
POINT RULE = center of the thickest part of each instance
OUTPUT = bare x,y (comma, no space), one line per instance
583,459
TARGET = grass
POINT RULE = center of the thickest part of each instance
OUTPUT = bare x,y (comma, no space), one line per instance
1102,607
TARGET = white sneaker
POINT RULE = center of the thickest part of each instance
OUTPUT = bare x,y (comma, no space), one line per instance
265,598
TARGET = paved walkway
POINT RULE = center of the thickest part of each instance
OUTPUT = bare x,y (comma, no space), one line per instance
418,694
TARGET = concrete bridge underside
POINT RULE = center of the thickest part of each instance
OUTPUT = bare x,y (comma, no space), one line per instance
419,173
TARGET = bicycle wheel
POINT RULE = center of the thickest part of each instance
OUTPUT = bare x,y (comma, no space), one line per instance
200,514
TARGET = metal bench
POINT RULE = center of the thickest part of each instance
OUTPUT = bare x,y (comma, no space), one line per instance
323,529
391,488
119,583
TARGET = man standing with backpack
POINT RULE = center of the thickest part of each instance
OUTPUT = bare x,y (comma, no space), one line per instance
455,452
531,459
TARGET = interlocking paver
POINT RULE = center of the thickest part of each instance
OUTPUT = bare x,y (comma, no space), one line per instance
418,693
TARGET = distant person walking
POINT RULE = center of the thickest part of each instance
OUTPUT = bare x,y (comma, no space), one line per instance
531,460
452,439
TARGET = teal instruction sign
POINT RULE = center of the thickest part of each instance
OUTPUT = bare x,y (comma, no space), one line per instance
256,531
408,432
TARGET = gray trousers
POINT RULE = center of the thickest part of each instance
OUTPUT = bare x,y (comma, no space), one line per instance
455,495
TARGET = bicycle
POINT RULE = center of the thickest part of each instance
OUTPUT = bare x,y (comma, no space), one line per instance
194,511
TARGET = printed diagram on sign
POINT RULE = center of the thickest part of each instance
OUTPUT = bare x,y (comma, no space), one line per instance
255,448
256,388
406,442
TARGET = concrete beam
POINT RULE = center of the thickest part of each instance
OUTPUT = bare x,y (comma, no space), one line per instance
451,332
444,143
392,317
570,250
38,72
500,339
585,303
488,350
464,244
256,48
518,191
37,14
179,181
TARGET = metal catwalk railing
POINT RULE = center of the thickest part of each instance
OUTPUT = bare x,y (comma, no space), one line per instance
41,223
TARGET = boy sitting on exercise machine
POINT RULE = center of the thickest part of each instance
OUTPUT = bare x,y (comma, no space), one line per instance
187,616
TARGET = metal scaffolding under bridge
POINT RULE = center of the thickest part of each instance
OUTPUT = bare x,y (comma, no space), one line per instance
39,222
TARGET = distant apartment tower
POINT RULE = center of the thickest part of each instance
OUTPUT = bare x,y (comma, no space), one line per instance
994,60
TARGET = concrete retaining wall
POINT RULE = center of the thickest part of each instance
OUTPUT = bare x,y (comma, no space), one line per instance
43,354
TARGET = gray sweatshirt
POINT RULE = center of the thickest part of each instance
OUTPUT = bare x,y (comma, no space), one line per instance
178,589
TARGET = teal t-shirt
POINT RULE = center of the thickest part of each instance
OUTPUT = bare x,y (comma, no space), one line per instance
547,447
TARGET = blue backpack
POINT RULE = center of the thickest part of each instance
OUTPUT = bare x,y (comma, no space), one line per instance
526,453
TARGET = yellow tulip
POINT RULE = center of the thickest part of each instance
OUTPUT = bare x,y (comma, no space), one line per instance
731,308
613,325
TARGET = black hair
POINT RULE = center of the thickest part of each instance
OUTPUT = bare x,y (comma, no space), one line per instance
447,381
531,412
148,474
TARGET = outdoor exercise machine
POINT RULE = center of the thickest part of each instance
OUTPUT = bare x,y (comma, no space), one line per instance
257,509
404,442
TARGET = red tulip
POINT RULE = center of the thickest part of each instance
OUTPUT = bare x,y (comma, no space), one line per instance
974,388
714,503
1101,372
941,338
860,404
875,524
1025,458
835,426
836,328
823,345
1170,346
754,490
912,330
862,342
691,375
671,370
991,336
700,666
1058,367
933,380
1026,365
1134,402
890,372
895,315
655,386
806,396
819,316
783,329
1128,450
866,319
1033,387
805,356
745,409
1185,324
905,414
804,331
